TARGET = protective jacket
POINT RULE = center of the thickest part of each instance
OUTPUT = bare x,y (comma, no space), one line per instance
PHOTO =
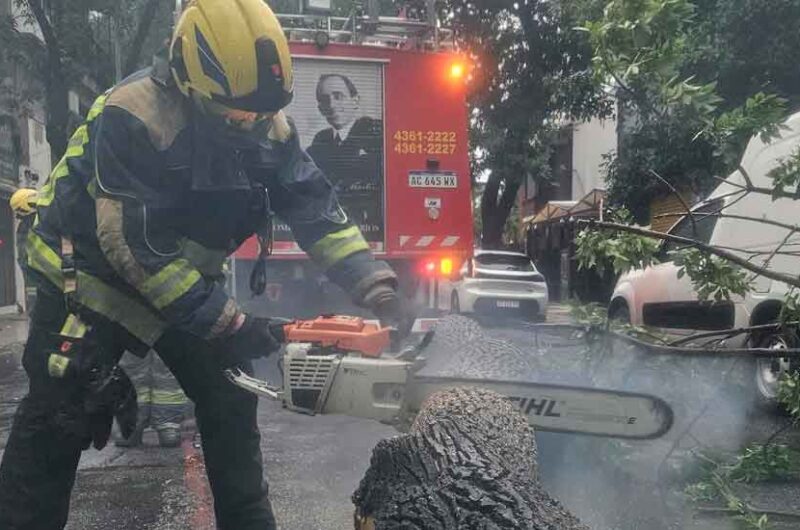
152,195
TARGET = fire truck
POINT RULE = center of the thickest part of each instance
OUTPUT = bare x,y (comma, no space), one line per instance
380,105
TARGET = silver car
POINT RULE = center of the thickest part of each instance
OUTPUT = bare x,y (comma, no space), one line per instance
495,282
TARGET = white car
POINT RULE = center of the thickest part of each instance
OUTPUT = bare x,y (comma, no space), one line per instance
499,283
655,296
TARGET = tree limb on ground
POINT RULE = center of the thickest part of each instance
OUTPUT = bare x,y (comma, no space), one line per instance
702,216
730,256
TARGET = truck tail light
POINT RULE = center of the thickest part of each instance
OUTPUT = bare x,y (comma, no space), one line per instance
446,266
457,70
441,267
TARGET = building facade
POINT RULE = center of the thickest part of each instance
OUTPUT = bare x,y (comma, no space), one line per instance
24,151
577,190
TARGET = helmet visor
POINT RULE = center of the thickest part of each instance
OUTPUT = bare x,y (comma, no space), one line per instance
238,119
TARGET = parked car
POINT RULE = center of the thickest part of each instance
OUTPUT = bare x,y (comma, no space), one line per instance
500,283
655,296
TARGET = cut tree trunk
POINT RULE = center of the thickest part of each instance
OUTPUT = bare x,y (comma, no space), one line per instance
469,462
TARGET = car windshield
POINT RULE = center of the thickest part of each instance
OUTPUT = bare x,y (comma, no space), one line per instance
699,226
504,262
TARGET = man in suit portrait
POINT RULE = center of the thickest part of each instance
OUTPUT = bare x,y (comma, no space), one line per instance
350,151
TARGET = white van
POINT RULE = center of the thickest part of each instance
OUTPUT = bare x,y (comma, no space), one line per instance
656,296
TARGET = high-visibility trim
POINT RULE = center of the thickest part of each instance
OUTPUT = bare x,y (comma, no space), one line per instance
57,365
97,107
45,260
168,397
48,191
140,321
209,262
229,311
170,283
75,148
76,144
73,328
336,246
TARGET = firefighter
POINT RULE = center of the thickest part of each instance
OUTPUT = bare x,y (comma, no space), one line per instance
23,204
162,404
171,171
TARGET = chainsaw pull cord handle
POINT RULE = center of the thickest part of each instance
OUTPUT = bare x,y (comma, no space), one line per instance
265,238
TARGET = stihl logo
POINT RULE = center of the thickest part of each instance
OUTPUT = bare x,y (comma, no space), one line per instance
538,407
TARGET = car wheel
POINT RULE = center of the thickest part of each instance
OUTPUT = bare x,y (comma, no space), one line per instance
769,371
620,313
455,305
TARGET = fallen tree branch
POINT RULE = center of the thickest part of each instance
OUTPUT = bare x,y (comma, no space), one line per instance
775,251
657,349
752,509
733,216
776,193
732,331
733,258
681,199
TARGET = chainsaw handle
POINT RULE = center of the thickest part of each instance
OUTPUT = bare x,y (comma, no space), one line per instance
251,384
413,349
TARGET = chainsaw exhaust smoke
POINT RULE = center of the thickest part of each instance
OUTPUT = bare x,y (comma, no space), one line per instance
611,483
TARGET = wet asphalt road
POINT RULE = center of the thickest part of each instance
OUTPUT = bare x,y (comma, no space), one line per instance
314,464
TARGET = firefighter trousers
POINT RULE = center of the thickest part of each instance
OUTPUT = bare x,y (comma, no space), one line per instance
42,453
162,403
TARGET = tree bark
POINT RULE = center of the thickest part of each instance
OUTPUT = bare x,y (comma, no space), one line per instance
56,89
468,462
142,30
496,205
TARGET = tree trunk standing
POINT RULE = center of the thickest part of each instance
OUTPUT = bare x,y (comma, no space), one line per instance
57,111
55,86
496,205
468,462
142,30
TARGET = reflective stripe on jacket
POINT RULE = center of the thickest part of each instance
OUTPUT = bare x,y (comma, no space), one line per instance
153,197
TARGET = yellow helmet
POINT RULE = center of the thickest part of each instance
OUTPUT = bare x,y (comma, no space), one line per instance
234,53
23,201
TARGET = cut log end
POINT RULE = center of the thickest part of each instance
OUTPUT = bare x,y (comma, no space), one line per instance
468,462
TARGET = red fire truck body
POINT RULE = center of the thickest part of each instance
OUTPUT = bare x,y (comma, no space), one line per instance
400,167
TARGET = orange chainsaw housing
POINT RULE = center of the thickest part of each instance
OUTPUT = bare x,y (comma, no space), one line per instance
344,332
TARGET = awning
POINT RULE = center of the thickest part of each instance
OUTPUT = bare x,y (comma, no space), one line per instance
551,210
587,206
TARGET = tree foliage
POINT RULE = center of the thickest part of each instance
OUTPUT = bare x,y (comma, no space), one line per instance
531,71
696,83
78,45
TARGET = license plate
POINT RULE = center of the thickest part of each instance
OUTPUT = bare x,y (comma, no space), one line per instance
444,179
508,304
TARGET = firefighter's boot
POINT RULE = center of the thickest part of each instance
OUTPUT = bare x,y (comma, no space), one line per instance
169,434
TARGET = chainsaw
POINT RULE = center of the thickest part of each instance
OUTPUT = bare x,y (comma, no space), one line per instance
343,365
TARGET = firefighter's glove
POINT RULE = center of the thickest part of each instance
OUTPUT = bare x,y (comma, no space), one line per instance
110,394
256,337
391,308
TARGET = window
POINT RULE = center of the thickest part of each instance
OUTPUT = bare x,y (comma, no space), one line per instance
504,262
704,225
